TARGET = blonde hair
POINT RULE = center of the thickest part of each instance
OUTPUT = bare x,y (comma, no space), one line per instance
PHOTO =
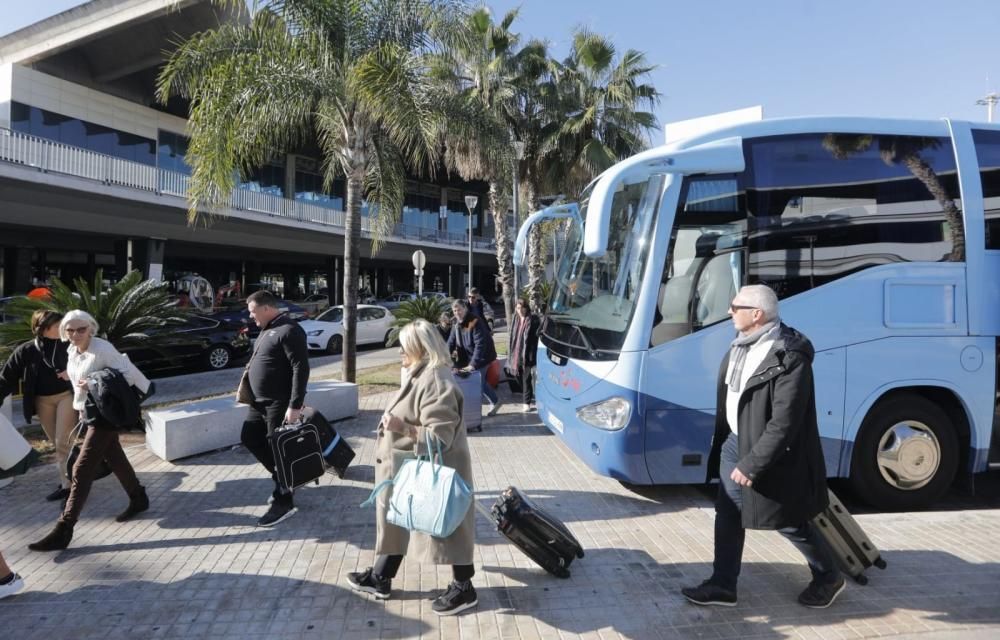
77,314
421,341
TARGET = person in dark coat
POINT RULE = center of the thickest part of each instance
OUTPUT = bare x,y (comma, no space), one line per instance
278,373
766,451
523,349
444,326
472,349
38,367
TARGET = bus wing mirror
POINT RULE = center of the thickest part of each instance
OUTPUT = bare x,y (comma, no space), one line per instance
721,156
554,212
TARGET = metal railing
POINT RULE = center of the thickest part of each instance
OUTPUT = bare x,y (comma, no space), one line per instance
55,157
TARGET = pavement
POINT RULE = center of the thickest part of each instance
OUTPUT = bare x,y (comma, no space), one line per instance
195,565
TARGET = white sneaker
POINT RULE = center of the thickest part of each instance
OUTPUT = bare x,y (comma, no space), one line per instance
11,587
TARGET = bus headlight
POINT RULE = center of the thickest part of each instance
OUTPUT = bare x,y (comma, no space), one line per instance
611,414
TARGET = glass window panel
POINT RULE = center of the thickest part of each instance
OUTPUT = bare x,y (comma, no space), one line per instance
988,154
20,117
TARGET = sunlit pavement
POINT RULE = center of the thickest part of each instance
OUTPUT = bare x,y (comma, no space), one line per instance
195,566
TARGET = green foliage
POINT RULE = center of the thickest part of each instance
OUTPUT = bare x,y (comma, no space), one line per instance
546,293
126,313
430,309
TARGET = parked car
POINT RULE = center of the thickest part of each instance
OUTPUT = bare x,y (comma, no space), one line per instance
326,332
394,300
440,295
315,304
240,315
207,343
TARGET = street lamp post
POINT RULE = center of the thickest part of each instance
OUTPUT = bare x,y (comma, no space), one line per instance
518,156
470,204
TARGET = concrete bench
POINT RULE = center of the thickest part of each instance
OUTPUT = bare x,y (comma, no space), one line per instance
6,410
190,428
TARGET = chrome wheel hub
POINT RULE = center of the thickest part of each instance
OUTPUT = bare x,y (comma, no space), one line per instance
908,455
218,358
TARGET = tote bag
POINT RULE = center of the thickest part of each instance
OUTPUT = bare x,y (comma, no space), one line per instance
426,497
13,447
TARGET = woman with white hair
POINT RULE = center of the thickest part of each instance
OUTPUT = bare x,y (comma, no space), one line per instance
87,354
430,403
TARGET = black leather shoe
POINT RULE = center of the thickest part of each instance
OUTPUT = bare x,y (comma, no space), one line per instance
708,593
58,494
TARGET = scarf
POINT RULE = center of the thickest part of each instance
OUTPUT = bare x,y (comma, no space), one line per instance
740,348
517,343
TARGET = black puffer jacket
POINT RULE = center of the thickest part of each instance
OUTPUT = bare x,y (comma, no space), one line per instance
23,365
778,436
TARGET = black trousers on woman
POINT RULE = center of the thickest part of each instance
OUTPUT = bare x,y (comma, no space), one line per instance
387,566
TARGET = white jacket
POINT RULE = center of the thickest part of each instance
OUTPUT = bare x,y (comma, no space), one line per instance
101,354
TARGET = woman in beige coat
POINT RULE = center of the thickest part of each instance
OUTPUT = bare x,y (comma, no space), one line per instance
429,403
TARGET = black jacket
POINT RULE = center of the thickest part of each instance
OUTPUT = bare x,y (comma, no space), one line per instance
779,440
529,348
111,401
279,367
473,342
24,364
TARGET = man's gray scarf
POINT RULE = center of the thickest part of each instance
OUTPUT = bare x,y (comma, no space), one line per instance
740,348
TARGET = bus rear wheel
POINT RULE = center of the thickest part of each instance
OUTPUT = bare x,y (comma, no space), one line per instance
906,454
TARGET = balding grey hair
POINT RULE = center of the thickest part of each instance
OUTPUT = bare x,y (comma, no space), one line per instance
760,296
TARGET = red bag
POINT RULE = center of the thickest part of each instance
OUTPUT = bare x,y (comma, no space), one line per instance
493,374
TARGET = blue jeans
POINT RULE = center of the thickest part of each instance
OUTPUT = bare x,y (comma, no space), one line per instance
730,534
488,391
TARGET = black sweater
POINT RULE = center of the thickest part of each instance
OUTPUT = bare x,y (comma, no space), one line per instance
279,367
36,359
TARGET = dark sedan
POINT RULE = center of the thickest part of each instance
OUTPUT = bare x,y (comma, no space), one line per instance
240,316
202,342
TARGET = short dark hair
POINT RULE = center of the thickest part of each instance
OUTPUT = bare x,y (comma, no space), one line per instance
42,319
263,299
473,292
460,303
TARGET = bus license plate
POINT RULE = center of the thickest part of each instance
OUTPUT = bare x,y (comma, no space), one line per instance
555,422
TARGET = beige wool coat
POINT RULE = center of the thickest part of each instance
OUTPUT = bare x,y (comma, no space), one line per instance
431,401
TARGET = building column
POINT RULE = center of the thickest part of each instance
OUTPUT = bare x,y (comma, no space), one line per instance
16,270
147,256
123,256
335,280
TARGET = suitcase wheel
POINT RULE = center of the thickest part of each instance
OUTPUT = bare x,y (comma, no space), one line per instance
579,554
880,563
861,579
560,572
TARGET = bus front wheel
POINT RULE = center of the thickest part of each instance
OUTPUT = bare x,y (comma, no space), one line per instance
906,454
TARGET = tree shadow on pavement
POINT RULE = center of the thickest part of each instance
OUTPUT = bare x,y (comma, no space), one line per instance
633,594
204,605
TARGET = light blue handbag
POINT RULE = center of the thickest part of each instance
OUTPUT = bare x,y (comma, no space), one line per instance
426,497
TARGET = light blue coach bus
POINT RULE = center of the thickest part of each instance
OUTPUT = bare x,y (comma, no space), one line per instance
882,240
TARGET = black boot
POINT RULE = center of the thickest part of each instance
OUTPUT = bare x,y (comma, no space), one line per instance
136,504
58,538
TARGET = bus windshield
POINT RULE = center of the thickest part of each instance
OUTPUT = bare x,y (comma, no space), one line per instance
592,305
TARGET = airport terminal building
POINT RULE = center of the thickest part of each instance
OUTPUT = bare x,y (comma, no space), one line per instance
92,176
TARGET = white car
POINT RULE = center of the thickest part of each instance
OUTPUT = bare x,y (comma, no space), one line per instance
326,332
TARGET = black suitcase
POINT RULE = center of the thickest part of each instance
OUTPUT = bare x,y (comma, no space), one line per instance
540,536
852,548
298,455
336,452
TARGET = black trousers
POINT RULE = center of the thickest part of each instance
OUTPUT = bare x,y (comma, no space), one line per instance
261,421
527,374
730,534
387,566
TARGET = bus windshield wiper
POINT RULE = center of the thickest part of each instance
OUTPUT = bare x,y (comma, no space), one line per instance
569,320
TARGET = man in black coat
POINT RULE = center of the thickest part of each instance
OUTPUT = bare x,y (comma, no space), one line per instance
278,373
767,451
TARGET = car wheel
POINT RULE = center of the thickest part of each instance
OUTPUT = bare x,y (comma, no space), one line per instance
906,454
335,344
218,357
385,340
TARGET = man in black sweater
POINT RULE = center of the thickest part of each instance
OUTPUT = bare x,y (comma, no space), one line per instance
278,373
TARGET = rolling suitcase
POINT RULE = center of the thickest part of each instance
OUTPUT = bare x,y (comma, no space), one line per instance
540,536
852,548
336,452
298,455
471,387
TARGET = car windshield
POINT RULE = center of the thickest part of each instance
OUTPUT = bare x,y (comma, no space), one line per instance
592,305
334,314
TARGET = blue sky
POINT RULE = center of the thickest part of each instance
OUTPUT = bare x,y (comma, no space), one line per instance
905,58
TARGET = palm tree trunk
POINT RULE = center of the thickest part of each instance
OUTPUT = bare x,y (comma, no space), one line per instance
352,243
505,261
536,254
926,175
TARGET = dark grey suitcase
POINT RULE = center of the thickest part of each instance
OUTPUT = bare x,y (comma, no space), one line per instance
298,455
471,387
852,548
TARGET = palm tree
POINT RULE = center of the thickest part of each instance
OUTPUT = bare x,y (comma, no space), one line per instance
488,75
593,117
130,313
349,74
905,150
429,309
